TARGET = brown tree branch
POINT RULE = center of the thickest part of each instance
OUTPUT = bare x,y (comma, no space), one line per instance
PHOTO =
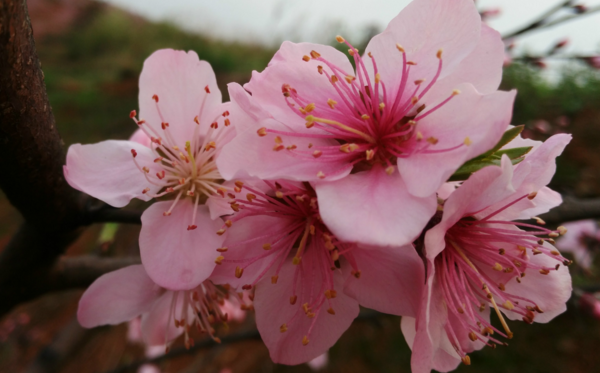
31,159
542,21
573,209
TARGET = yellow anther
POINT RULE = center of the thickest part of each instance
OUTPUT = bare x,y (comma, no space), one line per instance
473,336
293,299
331,103
498,267
439,53
262,132
274,279
330,311
321,175
539,220
219,259
467,141
314,54
456,92
296,260
239,272
419,81
432,140
389,170
228,223
222,249
305,341
544,271
309,107
250,197
317,153
334,79
377,78
466,360
414,100
220,232
279,194
411,63
508,305
532,195
283,328
340,39
278,140
419,136
266,246
349,79
365,117
562,230
351,52
399,47
306,58
381,106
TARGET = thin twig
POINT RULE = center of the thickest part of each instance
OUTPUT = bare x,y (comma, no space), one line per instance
542,22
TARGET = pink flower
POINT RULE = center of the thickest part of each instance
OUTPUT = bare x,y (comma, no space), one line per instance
477,259
308,283
591,304
319,362
171,156
386,135
127,293
581,238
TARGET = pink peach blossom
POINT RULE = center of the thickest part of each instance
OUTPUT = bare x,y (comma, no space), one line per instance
172,156
477,259
581,239
387,134
129,292
308,284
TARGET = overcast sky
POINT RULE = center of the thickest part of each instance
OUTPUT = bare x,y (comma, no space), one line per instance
271,21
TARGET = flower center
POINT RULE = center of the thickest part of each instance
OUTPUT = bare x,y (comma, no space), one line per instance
372,122
202,307
183,170
314,251
480,258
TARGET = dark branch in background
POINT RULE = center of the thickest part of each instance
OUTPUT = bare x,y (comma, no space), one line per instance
573,209
542,22
107,214
31,159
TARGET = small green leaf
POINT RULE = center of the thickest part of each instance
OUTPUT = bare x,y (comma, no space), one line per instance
467,169
514,153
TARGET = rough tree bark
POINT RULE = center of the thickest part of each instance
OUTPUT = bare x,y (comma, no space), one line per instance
31,159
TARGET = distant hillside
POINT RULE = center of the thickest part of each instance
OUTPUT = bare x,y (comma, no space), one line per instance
92,54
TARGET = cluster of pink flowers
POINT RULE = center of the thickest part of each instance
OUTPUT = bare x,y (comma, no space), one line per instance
323,185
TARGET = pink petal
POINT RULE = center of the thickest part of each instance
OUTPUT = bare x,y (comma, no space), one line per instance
140,137
179,80
532,175
250,154
447,189
288,67
374,208
174,257
385,272
158,326
117,297
550,292
482,189
244,242
481,118
571,242
422,28
273,309
106,171
482,67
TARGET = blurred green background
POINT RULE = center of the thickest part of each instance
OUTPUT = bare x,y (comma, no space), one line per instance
91,65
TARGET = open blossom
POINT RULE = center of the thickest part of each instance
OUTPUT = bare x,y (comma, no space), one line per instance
421,101
308,284
480,261
172,158
582,240
127,293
